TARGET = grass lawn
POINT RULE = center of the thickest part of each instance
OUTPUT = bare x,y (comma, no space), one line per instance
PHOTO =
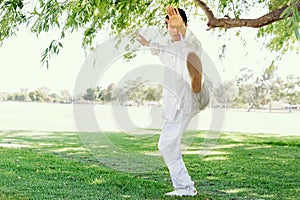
56,165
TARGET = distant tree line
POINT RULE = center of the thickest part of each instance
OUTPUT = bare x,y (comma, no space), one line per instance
252,91
134,93
247,90
42,94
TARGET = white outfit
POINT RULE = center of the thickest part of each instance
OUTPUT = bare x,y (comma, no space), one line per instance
180,103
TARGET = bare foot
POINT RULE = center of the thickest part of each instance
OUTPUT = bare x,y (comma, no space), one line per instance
194,66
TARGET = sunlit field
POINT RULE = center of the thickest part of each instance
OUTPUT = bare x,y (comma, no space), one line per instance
60,117
56,165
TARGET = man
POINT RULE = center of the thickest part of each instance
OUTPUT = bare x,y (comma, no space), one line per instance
185,93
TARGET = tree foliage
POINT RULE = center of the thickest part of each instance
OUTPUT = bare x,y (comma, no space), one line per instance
249,90
290,90
137,92
280,23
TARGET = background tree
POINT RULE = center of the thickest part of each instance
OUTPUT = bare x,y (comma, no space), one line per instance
153,94
3,96
135,90
56,98
120,95
217,97
21,97
252,90
291,90
37,95
108,94
66,96
225,94
90,94
272,84
150,94
279,25
260,90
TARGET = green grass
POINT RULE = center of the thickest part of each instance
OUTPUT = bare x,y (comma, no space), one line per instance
56,165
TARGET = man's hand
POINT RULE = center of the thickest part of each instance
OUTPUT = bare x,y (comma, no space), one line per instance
142,40
175,20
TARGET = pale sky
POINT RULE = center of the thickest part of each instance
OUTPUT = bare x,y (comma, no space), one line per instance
21,67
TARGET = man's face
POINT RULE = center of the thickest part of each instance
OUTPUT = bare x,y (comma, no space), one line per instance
174,33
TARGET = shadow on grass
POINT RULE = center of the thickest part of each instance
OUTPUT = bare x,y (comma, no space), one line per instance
31,175
241,166
249,167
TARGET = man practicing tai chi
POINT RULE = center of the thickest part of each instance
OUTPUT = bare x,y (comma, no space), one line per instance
185,93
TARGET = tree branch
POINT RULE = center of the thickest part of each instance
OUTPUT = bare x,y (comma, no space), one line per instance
264,20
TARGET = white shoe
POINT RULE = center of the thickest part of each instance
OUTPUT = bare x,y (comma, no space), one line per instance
189,191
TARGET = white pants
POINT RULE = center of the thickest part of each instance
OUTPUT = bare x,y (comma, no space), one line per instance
170,139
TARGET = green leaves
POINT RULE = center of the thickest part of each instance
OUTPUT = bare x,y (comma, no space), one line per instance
46,16
126,17
53,48
291,15
283,36
11,16
233,9
296,20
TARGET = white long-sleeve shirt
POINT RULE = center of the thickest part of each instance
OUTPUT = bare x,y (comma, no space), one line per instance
177,88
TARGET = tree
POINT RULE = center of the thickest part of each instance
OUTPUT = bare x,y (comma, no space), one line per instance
90,94
56,98
21,97
265,88
280,23
37,95
158,93
252,89
291,90
135,90
120,95
272,84
225,94
66,96
108,94
3,96
153,93
44,90
231,92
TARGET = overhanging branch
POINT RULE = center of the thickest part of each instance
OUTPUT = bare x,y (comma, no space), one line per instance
266,19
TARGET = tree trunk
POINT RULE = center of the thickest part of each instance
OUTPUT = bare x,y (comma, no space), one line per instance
252,105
